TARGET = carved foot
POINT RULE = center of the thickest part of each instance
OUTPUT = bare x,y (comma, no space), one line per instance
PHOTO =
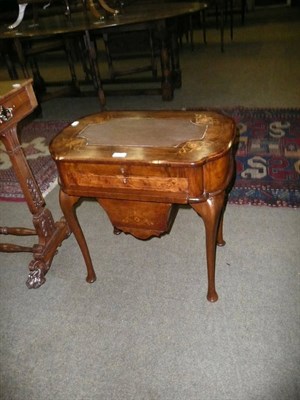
35,279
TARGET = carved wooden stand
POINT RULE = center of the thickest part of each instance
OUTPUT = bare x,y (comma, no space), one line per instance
15,105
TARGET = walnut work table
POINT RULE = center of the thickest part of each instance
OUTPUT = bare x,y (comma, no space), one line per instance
17,100
140,165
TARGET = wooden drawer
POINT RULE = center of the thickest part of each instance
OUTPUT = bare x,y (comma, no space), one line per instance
20,101
113,179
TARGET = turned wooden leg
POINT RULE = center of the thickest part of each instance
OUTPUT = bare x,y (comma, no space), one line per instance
211,211
176,70
67,204
94,68
166,84
50,233
165,59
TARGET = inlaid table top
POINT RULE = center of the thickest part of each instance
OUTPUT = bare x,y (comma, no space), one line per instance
147,137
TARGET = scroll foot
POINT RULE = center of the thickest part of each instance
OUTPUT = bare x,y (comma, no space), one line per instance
35,279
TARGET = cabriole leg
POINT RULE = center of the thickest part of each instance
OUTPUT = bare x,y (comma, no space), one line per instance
67,204
210,211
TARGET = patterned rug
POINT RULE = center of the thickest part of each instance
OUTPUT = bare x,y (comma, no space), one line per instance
267,158
34,138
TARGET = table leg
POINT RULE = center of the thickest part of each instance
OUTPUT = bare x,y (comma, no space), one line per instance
165,59
176,71
70,47
21,57
50,233
211,213
67,204
38,81
94,69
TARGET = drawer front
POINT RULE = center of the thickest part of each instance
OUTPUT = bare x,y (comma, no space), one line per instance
118,178
133,182
19,104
